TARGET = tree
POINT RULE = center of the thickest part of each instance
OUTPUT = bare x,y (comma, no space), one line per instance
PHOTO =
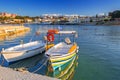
115,14
19,17
106,20
96,16
91,20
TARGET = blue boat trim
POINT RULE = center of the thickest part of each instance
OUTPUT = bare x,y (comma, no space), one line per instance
3,61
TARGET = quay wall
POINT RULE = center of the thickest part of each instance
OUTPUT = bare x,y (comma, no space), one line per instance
9,74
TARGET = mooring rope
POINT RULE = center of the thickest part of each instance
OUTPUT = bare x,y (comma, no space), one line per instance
41,65
31,38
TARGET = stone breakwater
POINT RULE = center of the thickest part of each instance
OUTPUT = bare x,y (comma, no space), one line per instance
9,74
10,30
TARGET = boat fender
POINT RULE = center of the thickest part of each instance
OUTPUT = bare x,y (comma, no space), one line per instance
50,68
59,68
77,50
78,47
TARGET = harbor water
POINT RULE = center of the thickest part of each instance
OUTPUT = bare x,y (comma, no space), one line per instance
98,56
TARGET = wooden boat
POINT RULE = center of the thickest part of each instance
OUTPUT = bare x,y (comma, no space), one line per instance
66,70
22,51
62,53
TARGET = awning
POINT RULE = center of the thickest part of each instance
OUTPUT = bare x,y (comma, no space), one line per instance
67,32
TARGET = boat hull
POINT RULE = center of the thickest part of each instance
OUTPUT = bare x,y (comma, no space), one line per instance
58,65
57,61
62,58
67,70
16,56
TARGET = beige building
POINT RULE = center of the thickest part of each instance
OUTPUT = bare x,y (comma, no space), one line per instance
4,14
28,20
18,20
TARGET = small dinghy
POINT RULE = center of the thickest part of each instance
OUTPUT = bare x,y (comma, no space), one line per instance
22,51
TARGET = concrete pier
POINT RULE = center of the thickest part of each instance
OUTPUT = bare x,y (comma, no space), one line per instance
9,74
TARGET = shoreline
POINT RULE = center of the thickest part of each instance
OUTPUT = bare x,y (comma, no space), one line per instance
82,24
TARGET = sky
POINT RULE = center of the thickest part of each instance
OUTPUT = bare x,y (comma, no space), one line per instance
39,7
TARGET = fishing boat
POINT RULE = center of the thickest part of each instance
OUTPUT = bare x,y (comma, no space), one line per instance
22,51
66,70
63,52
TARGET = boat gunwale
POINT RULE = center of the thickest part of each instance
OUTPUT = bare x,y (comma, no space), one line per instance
12,52
63,62
63,55
60,52
62,58
12,49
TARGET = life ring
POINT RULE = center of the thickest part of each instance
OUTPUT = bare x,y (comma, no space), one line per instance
50,37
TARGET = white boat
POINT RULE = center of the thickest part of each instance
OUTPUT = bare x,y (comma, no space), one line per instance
23,51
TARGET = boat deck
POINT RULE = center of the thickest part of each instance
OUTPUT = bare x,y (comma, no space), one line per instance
60,49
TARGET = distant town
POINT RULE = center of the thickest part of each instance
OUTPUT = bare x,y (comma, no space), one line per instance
112,18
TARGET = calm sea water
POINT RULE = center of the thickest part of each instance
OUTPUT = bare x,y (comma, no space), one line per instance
99,54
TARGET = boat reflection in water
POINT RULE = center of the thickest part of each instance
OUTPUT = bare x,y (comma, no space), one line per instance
66,72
